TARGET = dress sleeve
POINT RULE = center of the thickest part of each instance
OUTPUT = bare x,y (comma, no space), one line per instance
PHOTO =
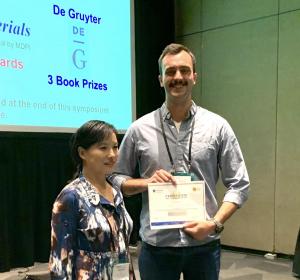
63,236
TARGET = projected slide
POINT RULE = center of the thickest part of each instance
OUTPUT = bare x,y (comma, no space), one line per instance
65,62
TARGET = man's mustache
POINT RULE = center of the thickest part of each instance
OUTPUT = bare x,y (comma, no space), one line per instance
178,82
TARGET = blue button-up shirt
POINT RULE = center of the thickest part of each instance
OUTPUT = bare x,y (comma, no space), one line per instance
214,149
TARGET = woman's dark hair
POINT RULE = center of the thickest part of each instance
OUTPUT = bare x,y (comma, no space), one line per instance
90,133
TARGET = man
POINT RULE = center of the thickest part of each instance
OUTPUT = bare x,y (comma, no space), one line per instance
182,137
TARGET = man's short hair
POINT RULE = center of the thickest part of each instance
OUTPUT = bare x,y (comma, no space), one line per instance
175,49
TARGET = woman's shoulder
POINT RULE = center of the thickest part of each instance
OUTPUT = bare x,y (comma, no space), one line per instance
69,193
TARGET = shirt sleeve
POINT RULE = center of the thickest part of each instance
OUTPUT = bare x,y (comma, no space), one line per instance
233,169
127,160
63,236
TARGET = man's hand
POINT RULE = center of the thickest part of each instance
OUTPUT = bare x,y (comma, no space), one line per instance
161,176
135,186
199,230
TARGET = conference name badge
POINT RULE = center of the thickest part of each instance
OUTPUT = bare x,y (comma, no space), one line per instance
182,177
120,271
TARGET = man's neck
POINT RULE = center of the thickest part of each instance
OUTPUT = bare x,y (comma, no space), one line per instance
179,111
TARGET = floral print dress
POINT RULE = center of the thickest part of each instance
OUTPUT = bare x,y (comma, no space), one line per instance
88,233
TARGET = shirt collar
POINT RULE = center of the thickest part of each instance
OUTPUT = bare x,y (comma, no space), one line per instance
167,115
94,197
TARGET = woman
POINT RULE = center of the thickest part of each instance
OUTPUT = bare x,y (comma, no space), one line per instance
90,225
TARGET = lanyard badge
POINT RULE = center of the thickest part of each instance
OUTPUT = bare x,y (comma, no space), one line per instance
120,271
120,268
182,177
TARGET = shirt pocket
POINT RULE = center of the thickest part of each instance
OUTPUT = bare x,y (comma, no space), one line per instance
204,150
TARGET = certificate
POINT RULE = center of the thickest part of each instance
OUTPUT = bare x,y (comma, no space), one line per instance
170,206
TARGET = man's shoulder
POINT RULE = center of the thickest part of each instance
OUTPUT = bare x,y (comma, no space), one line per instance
146,119
213,121
208,115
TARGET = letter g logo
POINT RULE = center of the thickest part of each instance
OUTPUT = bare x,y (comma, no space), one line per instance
79,63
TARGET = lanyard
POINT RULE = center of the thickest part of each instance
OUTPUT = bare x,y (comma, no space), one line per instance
167,145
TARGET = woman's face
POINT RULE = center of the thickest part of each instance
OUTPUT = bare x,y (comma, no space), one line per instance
101,157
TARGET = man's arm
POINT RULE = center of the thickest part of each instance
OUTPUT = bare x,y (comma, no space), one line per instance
225,211
200,230
135,186
236,180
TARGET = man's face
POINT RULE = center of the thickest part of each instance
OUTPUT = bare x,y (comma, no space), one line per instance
177,76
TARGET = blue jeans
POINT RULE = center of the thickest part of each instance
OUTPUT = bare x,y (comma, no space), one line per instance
167,263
